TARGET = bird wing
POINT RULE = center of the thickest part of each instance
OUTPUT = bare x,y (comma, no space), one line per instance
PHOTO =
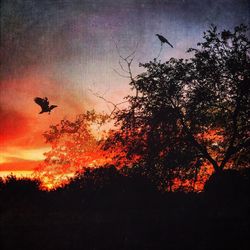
41,102
163,39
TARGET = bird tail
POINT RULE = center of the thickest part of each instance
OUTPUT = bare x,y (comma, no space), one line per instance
170,45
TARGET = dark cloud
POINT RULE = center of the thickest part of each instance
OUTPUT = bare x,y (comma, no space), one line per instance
38,32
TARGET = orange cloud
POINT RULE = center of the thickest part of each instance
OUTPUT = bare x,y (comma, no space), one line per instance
21,165
13,126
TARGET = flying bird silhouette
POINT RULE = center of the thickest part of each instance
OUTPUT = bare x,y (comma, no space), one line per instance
164,40
44,104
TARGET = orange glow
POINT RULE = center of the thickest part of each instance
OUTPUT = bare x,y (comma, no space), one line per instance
21,142
56,171
54,174
18,174
22,145
18,159
36,154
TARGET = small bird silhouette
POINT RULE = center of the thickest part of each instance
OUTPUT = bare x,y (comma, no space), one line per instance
44,104
164,40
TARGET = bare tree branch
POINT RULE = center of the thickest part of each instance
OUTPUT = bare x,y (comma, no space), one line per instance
115,105
118,73
127,60
159,51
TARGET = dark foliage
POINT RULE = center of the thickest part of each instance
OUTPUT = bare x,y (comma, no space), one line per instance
14,185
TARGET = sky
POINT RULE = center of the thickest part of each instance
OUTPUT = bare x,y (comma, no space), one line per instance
62,49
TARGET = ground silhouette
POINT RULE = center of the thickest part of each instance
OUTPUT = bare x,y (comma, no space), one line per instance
105,209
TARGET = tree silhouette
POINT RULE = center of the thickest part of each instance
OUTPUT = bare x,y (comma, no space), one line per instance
193,112
74,146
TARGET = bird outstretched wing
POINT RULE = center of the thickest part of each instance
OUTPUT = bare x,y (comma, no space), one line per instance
43,103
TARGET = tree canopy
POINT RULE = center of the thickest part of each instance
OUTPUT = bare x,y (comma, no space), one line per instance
186,113
74,146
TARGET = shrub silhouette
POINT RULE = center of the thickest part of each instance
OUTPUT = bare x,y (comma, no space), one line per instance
12,184
110,187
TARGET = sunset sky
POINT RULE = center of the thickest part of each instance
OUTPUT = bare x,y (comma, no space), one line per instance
62,48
